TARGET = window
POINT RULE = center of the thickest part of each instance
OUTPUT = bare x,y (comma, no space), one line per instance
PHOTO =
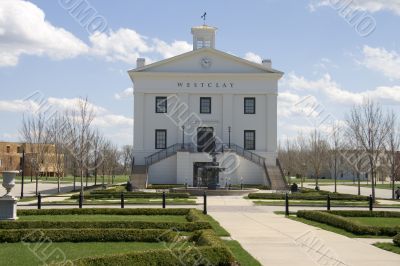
8,149
161,104
249,105
249,139
19,149
161,139
205,105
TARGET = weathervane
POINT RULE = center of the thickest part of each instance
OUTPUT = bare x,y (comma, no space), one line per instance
204,18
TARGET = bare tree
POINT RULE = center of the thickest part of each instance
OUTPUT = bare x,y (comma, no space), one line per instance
79,124
97,142
334,160
318,154
35,135
127,158
392,148
370,127
56,129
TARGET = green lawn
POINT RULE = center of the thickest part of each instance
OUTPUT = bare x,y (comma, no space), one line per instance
389,247
98,217
20,254
377,221
381,186
241,255
218,229
332,228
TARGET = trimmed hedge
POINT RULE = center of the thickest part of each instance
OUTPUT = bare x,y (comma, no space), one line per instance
308,196
209,250
396,240
187,227
164,186
87,235
367,213
351,226
110,211
147,195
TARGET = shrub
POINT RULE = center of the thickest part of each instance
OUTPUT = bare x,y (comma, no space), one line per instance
396,240
86,235
188,227
141,211
367,213
351,226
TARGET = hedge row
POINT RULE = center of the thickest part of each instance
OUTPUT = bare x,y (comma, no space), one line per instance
147,195
187,227
87,235
307,196
396,240
109,211
194,216
209,250
164,186
346,224
367,213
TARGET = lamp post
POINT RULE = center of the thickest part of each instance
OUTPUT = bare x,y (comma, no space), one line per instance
22,173
183,137
229,137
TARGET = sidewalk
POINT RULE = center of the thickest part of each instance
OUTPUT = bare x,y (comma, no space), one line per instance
276,240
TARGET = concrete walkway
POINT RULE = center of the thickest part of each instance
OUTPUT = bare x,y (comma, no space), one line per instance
365,191
276,240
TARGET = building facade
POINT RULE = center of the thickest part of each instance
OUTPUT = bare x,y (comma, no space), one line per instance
201,102
44,163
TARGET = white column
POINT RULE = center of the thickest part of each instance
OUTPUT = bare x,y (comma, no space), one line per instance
183,98
272,126
139,121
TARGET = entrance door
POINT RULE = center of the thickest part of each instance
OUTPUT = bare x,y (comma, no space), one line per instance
205,139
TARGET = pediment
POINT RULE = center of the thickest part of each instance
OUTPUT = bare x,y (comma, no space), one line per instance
206,60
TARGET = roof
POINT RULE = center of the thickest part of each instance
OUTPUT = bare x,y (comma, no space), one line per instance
212,50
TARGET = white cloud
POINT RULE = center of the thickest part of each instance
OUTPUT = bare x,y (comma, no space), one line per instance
62,104
253,57
24,30
19,106
173,49
381,60
112,120
127,93
334,91
290,104
123,45
371,6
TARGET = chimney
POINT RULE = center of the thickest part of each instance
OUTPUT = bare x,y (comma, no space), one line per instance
140,62
267,63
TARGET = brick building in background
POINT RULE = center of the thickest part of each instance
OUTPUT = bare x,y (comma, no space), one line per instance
11,158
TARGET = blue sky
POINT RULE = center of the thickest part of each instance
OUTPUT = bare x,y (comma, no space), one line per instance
45,48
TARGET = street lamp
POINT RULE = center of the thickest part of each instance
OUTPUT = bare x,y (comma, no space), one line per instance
229,137
183,137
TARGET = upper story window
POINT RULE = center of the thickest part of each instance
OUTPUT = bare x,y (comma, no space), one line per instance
205,105
161,139
161,104
249,105
249,140
19,150
8,149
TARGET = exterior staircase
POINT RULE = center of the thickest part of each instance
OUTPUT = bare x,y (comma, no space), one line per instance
273,173
139,177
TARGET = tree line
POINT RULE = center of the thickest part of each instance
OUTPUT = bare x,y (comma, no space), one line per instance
78,148
367,143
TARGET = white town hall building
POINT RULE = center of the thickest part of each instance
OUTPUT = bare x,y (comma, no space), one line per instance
201,102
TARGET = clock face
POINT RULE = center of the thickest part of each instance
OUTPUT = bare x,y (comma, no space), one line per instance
206,62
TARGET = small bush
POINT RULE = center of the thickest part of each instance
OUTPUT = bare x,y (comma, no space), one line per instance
351,226
164,186
396,240
86,235
139,211
367,213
